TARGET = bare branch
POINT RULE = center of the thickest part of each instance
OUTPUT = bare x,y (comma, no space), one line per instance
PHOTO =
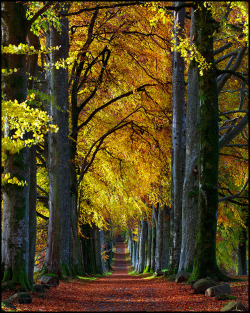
231,112
99,7
232,70
85,166
237,145
228,137
224,57
236,195
221,49
141,88
42,190
181,6
42,216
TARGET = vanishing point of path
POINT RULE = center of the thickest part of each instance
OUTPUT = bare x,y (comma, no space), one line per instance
123,292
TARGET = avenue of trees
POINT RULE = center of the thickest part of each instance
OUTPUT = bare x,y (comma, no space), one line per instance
130,118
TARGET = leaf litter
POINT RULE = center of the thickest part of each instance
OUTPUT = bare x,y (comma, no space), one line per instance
124,292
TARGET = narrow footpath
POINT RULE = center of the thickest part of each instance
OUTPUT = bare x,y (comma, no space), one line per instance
123,292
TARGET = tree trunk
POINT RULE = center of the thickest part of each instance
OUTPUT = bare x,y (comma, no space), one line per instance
135,254
103,248
205,246
153,244
142,245
57,258
149,244
190,185
242,254
15,231
178,134
130,243
32,212
138,247
159,238
166,237
97,249
32,67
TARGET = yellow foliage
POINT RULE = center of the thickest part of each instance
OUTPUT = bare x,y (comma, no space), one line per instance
21,119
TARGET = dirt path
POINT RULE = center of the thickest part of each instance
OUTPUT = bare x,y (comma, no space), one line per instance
123,292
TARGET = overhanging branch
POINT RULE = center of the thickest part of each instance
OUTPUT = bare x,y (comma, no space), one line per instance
97,144
236,195
141,88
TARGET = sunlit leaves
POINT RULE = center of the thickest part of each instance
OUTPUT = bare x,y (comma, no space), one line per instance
43,21
6,179
26,49
21,119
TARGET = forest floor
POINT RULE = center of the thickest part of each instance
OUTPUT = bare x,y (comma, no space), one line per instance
122,291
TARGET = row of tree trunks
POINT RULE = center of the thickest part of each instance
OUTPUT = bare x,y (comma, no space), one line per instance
149,251
200,186
97,249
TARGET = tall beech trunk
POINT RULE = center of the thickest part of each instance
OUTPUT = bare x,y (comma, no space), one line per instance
142,245
88,248
149,244
103,252
205,246
135,255
130,243
178,134
153,243
166,237
242,253
32,68
76,256
138,247
32,212
190,185
57,258
159,237
97,249
15,227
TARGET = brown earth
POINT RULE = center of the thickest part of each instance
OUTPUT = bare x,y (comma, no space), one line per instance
123,292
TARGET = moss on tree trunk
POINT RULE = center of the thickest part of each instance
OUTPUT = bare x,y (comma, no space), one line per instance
205,263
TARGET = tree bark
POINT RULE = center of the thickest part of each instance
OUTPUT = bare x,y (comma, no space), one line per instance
135,254
190,185
15,231
166,237
159,238
178,134
32,67
138,247
153,244
205,246
32,212
97,249
57,259
242,253
149,244
142,245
